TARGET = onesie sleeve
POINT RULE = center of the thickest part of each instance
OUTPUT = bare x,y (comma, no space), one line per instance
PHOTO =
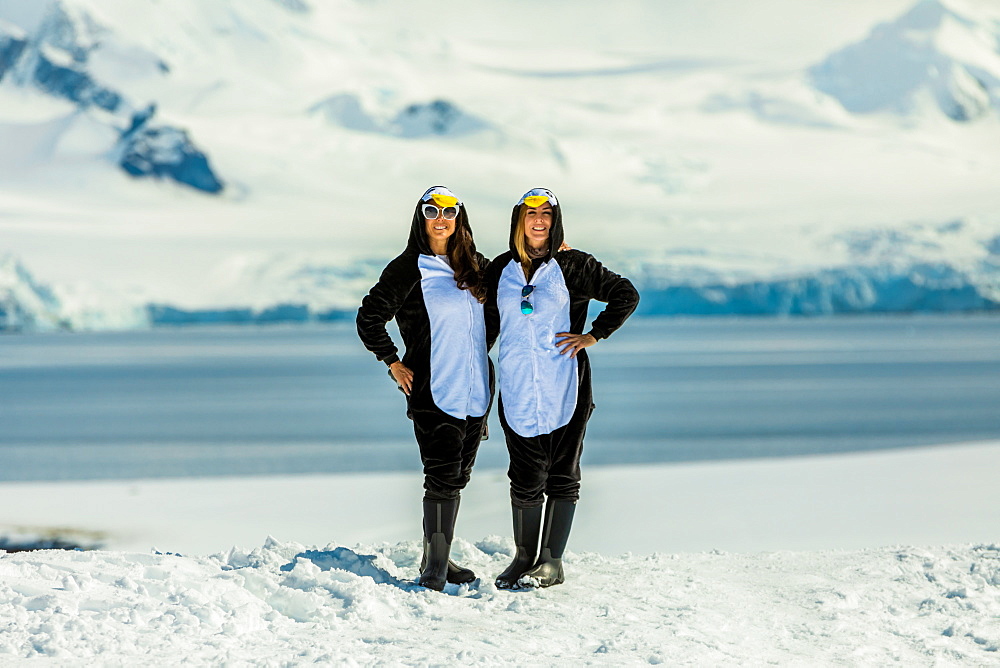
483,263
596,281
491,311
381,305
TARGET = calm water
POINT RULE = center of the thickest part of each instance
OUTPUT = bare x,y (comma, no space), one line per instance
289,400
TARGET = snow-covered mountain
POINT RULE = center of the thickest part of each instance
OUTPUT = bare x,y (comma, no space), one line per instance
731,159
943,53
62,52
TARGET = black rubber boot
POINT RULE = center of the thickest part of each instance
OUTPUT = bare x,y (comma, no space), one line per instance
439,529
456,574
548,570
527,526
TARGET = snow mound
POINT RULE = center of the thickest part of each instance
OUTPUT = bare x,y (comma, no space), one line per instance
285,604
941,52
343,559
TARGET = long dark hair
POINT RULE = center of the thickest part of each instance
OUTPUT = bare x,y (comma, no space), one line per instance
462,255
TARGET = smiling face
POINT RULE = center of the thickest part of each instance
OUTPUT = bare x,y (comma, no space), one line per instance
438,230
537,223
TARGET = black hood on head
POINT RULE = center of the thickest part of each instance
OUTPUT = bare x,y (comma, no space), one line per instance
418,228
555,232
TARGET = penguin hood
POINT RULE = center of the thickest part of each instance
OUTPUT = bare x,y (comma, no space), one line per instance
539,196
438,196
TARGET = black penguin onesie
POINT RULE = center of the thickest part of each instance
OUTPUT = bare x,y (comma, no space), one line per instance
444,337
545,397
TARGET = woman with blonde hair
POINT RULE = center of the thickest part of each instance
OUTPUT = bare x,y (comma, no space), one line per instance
537,299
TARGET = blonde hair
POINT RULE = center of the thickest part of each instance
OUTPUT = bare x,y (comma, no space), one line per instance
519,243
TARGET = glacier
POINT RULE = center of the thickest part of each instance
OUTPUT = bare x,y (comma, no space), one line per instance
26,305
850,290
315,293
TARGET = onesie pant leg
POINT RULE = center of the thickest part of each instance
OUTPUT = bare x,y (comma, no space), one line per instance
549,464
470,446
563,481
529,465
447,450
567,447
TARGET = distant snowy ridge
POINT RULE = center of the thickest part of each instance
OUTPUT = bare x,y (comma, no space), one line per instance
288,603
942,52
948,268
57,58
848,290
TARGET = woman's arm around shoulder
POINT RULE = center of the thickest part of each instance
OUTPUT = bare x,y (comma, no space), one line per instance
491,311
482,262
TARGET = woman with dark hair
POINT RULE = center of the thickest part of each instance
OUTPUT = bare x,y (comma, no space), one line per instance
537,299
435,291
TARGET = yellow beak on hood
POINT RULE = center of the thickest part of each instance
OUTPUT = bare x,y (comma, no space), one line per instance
444,200
535,200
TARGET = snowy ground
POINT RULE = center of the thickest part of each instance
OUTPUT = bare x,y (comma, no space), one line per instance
740,563
285,604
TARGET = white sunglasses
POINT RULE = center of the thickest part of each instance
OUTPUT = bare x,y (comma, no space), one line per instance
432,212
